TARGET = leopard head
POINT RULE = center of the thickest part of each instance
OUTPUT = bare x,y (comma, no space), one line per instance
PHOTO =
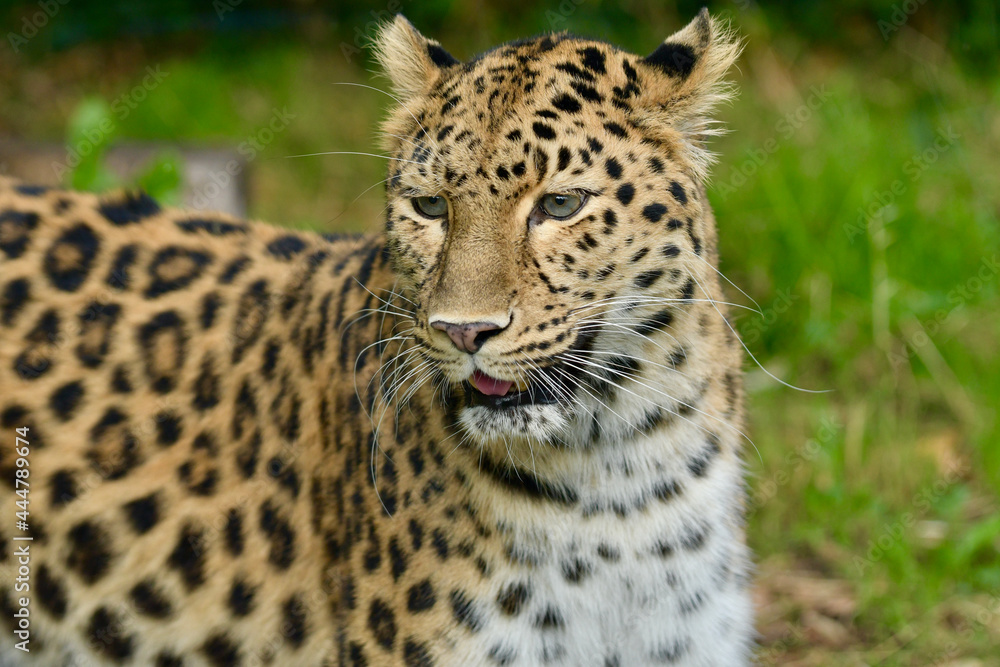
545,209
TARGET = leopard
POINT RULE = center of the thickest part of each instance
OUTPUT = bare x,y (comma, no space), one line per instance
504,429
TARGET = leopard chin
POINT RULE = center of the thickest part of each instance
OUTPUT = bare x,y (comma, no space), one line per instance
544,423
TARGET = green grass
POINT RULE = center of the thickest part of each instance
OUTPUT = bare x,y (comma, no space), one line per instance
890,481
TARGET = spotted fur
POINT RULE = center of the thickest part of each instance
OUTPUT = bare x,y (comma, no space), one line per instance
253,446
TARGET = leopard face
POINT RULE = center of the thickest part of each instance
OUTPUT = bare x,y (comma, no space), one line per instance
545,212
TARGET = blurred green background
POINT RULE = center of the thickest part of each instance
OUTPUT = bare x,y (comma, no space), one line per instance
857,199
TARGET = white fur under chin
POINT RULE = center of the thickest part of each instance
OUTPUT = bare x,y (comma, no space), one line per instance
691,609
534,423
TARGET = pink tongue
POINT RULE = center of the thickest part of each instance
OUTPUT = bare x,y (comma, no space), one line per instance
488,385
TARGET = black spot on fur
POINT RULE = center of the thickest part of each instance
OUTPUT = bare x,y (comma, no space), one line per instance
613,167
543,131
511,600
647,278
51,591
213,227
168,324
666,490
209,307
234,532
688,291
416,654
440,543
525,482
251,313
168,659
119,276
674,59
131,208
15,228
65,400
700,463
68,261
97,322
421,596
284,473
625,193
120,382
654,212
62,488
566,103
502,655
114,448
221,651
588,93
280,534
150,600
294,622
206,386
608,552
677,190
143,513
241,597
564,158
286,247
233,269
462,610
165,278
168,428
89,553
382,623
616,129
106,635
576,570
550,619
188,556
15,295
270,359
593,59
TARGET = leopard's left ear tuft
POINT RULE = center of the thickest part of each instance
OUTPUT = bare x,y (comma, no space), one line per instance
688,75
412,62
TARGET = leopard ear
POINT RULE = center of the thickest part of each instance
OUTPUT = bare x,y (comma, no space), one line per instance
687,73
412,62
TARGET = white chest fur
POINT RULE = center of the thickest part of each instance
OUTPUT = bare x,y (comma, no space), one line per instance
648,567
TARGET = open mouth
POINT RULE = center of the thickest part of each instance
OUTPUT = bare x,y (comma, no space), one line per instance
484,390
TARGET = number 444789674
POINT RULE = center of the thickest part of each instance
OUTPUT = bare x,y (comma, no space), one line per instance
21,477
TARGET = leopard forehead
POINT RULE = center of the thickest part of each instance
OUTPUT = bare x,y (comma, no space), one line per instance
535,111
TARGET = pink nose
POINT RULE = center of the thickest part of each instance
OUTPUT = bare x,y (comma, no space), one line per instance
468,337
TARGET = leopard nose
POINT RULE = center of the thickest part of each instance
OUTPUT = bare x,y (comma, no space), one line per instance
468,337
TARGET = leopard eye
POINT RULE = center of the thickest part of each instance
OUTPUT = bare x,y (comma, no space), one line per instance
431,207
561,205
